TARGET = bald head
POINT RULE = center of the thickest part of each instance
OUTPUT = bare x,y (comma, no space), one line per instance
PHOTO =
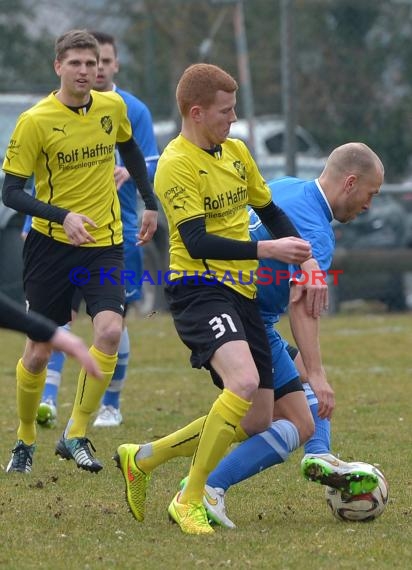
353,158
352,176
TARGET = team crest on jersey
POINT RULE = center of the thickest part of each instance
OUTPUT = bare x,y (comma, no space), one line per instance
241,170
107,124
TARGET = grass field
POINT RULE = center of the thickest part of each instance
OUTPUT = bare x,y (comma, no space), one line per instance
60,517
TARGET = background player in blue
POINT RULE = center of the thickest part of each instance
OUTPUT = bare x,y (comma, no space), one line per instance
352,176
140,118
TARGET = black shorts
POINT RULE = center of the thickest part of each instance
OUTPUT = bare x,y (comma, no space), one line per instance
208,316
294,385
293,351
77,300
53,270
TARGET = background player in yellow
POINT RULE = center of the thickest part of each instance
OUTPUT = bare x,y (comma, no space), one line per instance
68,142
109,414
205,182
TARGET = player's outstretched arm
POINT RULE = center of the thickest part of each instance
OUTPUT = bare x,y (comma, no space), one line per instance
305,330
39,329
73,346
288,250
315,288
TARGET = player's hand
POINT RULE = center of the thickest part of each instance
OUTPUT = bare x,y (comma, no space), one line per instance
316,288
74,227
148,227
288,250
324,393
72,345
121,175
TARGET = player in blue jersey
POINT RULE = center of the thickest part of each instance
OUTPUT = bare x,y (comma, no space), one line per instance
352,176
142,126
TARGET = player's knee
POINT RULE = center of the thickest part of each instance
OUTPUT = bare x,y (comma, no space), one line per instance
36,357
260,423
243,384
306,429
109,335
258,419
249,385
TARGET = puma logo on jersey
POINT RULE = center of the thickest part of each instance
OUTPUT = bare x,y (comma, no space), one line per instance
58,130
176,207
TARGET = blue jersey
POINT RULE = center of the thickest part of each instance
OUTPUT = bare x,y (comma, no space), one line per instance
142,128
308,209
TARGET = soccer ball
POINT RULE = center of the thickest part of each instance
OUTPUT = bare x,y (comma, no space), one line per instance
363,508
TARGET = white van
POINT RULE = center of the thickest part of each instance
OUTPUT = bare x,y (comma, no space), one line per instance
269,137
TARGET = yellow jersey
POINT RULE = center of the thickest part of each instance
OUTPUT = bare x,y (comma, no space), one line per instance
191,183
72,157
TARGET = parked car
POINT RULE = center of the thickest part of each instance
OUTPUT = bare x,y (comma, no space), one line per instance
269,137
307,167
165,131
11,222
382,228
402,192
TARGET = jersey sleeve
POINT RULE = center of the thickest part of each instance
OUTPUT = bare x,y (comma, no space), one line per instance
177,186
124,132
23,148
322,250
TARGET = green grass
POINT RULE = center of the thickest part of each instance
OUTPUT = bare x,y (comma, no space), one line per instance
60,517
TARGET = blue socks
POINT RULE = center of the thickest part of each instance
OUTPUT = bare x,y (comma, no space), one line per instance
54,374
256,454
270,448
112,395
320,441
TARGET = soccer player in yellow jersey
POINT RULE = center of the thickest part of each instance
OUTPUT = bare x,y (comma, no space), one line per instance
205,182
68,142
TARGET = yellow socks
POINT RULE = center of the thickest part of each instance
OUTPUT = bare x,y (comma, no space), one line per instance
181,443
29,392
89,393
217,435
206,439
240,434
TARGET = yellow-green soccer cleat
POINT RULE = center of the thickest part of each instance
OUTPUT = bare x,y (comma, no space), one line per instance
349,478
191,517
47,414
136,480
214,503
